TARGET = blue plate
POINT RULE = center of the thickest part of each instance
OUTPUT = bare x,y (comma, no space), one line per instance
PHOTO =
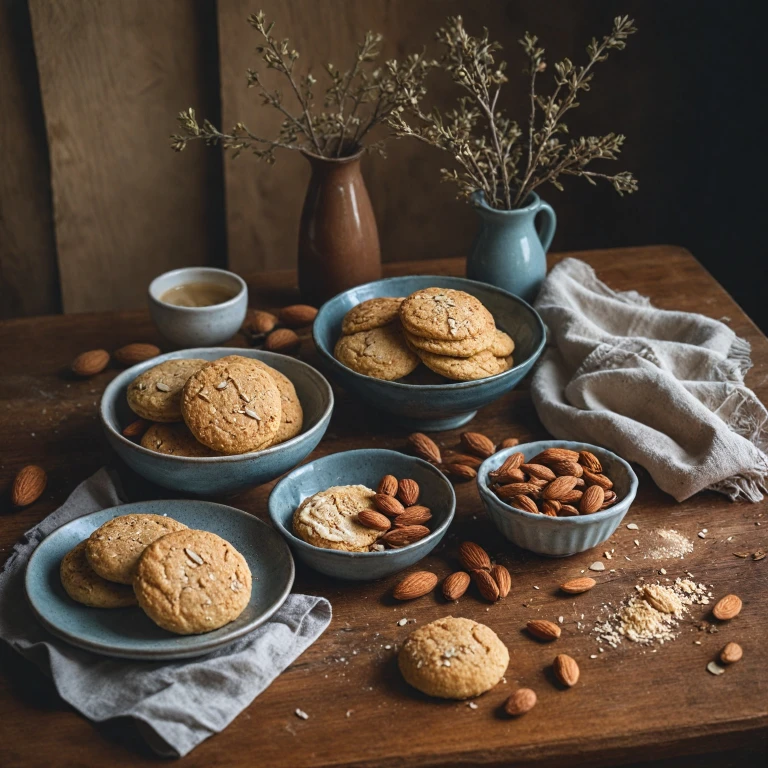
128,633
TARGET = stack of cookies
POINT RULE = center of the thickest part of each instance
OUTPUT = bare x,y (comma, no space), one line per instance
186,581
229,406
450,331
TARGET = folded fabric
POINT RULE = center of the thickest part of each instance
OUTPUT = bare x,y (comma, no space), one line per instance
177,704
663,389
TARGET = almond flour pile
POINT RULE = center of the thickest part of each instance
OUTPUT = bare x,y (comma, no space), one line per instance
669,544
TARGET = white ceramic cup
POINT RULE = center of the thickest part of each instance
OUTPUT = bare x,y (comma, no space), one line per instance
198,326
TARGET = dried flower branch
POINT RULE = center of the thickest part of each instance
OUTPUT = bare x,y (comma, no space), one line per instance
356,101
487,145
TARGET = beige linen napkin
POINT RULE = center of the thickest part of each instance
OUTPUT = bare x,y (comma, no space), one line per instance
663,389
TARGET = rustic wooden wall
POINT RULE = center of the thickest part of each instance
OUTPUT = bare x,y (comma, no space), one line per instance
93,203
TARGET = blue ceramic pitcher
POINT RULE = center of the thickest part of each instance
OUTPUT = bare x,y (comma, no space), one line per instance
508,251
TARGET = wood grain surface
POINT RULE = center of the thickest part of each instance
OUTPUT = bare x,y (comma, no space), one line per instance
631,706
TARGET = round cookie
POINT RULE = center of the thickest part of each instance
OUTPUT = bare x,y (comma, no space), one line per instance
190,582
479,366
445,314
463,348
114,549
329,519
174,439
156,394
85,586
381,353
453,658
502,344
370,314
232,405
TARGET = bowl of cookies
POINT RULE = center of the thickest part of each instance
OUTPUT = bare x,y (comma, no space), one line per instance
216,420
364,514
428,349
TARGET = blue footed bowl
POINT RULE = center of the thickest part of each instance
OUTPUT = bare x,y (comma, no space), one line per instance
207,476
445,404
365,467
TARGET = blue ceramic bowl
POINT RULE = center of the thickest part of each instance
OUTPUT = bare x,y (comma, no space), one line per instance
207,476
444,405
365,467
558,536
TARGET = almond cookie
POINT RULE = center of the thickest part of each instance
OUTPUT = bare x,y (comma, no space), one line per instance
453,658
329,519
479,366
445,314
232,405
174,439
381,353
463,348
502,345
85,586
156,394
371,314
114,549
190,582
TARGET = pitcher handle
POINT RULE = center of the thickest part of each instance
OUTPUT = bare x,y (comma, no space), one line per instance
548,225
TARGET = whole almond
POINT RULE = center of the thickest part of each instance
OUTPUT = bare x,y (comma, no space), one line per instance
463,458
402,537
456,585
589,461
518,489
508,442
594,478
566,670
727,608
424,447
388,505
388,485
567,510
282,340
526,503
559,487
572,497
537,481
259,323
542,629
731,653
297,315
502,578
567,468
473,557
375,520
131,354
511,476
579,585
415,585
513,461
90,363
539,471
610,498
408,492
486,585
136,429
415,515
460,472
592,500
28,485
550,507
555,454
521,701
477,443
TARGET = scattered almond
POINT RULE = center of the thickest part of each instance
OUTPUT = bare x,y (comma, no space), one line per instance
297,315
542,629
592,500
408,492
132,354
521,701
502,578
455,585
415,585
136,429
282,340
577,586
509,442
486,584
472,556
460,472
402,537
415,515
388,505
477,443
90,363
590,461
731,653
259,323
727,608
28,485
375,520
424,447
463,458
566,670
388,485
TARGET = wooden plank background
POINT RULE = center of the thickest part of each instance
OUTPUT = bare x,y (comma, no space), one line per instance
93,203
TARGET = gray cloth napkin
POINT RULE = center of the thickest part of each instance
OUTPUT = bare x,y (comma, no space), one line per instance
663,389
177,704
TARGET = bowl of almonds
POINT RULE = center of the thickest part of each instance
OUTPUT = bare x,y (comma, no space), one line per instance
556,497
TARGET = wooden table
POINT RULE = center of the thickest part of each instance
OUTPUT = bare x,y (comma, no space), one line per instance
632,705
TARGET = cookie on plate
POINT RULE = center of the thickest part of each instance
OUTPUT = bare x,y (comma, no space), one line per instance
453,658
445,314
479,366
232,405
85,586
174,439
113,550
462,348
370,314
381,353
329,519
156,394
190,582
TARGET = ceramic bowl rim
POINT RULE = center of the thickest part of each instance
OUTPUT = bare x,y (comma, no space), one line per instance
457,385
231,302
112,389
488,495
305,545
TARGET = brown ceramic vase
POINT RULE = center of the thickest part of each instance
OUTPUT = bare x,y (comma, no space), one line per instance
338,238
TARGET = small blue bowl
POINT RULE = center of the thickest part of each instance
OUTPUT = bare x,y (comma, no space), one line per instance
364,467
208,476
433,407
558,536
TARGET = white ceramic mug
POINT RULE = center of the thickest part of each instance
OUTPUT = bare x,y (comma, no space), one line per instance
198,326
